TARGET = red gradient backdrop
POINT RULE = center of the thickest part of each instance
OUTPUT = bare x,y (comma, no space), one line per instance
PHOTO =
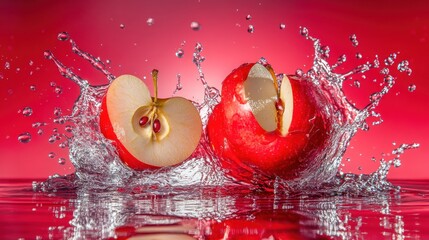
29,27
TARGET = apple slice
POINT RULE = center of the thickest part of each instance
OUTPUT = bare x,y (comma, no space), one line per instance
266,103
276,130
149,132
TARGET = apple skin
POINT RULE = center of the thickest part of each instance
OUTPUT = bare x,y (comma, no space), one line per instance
237,138
106,129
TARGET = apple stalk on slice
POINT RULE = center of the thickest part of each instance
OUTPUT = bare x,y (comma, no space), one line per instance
261,126
149,132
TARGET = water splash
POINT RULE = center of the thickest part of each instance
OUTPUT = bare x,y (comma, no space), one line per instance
97,164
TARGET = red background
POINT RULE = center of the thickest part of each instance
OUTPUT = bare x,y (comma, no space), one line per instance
29,27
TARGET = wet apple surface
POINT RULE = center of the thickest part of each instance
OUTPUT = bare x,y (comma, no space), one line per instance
263,127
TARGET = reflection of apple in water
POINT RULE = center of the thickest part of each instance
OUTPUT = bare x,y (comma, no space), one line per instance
148,132
262,126
263,225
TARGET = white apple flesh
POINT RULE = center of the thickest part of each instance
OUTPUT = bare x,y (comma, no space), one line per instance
149,132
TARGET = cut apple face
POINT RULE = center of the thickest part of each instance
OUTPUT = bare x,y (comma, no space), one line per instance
272,109
154,132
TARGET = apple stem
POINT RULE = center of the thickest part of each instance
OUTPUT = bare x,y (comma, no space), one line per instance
155,83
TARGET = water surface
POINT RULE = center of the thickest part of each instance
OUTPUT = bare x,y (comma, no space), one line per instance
212,213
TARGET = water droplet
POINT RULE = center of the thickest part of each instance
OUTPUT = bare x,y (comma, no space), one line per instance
62,161
397,162
150,21
303,31
354,40
107,61
51,155
180,53
198,47
263,61
356,83
27,111
24,137
38,124
63,144
47,54
325,50
40,131
58,90
33,88
384,71
412,88
7,65
122,26
282,26
250,29
404,67
30,63
60,120
57,111
195,26
248,17
54,137
68,128
299,73
63,36
52,84
358,55
179,84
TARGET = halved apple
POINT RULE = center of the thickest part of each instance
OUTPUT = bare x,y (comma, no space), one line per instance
149,132
258,124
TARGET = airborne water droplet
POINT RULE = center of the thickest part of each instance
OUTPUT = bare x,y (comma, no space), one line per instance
47,54
68,128
358,55
63,36
282,26
24,137
180,53
179,84
250,29
122,26
248,17
57,111
150,21
7,65
58,90
412,88
33,88
354,40
61,161
356,83
404,67
27,111
303,31
51,155
195,26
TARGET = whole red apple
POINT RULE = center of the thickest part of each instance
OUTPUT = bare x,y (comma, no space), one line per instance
262,127
148,132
